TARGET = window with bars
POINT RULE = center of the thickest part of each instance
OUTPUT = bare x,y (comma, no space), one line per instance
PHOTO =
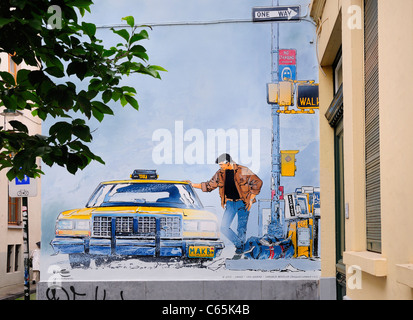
14,211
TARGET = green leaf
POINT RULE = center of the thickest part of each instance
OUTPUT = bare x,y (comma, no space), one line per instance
89,29
72,164
158,68
137,48
19,126
129,89
107,95
55,72
141,55
108,53
139,36
123,33
130,21
82,5
101,107
4,21
132,101
22,76
97,114
11,174
123,101
8,78
82,132
62,130
9,102
78,68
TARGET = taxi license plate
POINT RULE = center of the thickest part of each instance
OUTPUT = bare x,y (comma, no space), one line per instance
201,252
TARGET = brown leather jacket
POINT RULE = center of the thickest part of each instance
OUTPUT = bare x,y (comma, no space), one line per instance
246,181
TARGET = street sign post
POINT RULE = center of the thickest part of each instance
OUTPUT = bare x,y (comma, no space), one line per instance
287,72
287,64
287,57
275,14
23,189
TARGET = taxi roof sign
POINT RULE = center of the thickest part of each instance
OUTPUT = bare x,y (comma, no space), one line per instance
144,174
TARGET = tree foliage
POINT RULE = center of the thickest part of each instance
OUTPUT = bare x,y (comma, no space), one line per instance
63,51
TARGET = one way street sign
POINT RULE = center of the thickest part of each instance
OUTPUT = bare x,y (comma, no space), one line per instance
289,13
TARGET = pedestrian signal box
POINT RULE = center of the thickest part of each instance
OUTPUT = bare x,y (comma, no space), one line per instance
286,93
308,96
281,93
272,93
288,167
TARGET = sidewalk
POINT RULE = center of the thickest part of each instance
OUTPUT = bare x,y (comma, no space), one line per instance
15,291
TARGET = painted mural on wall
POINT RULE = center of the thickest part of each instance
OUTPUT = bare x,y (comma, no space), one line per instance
186,189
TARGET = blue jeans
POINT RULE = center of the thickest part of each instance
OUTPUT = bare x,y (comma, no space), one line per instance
233,208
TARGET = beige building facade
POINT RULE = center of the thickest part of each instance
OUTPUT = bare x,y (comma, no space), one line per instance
365,50
11,227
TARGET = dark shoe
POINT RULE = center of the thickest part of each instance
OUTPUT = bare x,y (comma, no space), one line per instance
237,256
239,250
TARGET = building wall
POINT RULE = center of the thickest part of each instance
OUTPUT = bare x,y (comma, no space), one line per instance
328,46
13,235
388,275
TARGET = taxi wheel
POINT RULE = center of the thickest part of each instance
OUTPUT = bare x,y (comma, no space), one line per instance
79,260
102,261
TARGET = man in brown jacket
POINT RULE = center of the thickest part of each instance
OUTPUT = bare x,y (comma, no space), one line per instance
238,187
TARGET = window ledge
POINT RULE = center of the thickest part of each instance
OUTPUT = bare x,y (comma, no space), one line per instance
370,262
405,274
14,226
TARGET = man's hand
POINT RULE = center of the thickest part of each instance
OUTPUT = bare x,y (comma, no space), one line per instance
249,205
195,185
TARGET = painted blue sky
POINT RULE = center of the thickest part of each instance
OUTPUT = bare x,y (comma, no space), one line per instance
216,79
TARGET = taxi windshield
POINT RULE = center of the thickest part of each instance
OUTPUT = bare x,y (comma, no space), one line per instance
173,195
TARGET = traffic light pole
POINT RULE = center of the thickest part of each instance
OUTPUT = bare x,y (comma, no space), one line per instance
274,227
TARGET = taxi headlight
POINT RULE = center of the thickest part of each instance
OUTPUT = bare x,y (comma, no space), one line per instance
65,224
72,224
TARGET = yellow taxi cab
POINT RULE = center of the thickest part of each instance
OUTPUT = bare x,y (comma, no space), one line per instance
143,216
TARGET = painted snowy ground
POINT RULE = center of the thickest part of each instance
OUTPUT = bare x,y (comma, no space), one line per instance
222,267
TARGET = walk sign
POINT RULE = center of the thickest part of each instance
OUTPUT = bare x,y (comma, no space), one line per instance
308,96
23,188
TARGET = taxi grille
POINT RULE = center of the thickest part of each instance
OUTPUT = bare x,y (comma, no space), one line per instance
102,227
170,227
145,226
124,225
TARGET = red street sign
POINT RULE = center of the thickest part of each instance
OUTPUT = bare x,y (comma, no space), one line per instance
287,57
